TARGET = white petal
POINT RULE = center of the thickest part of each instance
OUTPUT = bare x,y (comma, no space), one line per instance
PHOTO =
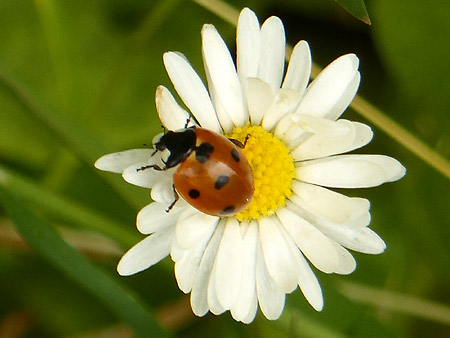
270,297
248,45
243,225
191,90
284,102
330,91
223,80
363,135
147,252
336,138
360,221
273,44
358,239
246,305
193,225
199,295
259,98
154,217
162,192
299,68
252,312
350,171
186,268
172,116
346,99
213,301
229,265
176,252
146,178
309,284
118,162
347,263
306,278
318,248
277,255
291,132
327,204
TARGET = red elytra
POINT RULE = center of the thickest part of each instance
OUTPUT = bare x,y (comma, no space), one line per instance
213,175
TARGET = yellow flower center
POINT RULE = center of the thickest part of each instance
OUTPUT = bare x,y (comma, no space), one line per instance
272,169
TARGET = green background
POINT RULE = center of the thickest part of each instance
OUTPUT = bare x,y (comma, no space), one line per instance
77,80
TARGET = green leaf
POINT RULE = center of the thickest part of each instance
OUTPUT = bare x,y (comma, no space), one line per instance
45,240
65,208
357,8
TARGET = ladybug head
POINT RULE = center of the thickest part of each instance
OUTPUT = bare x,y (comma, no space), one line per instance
179,143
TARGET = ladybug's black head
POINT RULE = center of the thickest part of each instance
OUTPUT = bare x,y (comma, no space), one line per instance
180,144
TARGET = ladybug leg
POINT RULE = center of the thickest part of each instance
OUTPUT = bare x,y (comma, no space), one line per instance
153,166
238,143
177,197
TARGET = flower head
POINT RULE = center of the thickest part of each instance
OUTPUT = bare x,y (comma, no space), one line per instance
294,139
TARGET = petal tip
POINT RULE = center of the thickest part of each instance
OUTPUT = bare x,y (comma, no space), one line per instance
318,306
98,163
106,163
246,10
123,269
395,170
207,27
349,59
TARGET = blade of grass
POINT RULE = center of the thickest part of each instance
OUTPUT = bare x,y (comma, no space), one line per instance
86,242
65,208
46,241
401,135
398,302
361,106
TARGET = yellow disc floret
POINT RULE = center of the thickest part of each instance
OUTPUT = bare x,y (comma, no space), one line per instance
272,168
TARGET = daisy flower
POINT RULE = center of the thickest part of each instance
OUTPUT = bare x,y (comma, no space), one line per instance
294,140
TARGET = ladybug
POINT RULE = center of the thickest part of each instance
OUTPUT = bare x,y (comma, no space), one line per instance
213,175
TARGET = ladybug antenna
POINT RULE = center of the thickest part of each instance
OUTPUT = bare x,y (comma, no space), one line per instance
246,139
188,120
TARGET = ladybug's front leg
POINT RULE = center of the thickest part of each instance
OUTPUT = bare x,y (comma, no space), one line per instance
238,143
153,166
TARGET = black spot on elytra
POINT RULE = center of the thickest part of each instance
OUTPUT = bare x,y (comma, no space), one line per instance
228,210
235,155
221,181
194,193
203,152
